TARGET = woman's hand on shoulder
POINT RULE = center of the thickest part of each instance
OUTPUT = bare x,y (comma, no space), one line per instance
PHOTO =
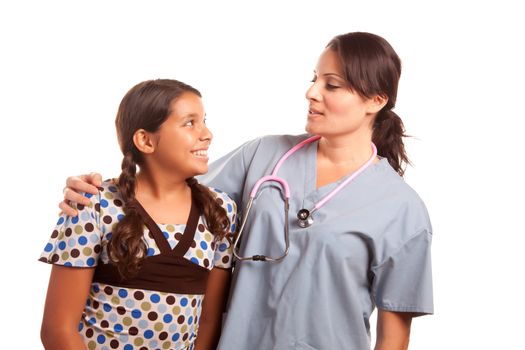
74,184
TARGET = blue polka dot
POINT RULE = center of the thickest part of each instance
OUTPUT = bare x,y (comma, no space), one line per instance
107,307
167,318
204,245
128,347
175,337
112,189
143,324
90,262
101,339
92,321
104,203
151,251
136,313
195,260
233,228
112,318
96,288
85,215
80,326
72,242
190,320
68,264
82,240
94,238
184,301
48,248
153,344
122,293
217,190
62,245
88,195
120,217
79,263
230,208
108,236
148,334
118,328
74,219
166,234
154,298
60,220
112,210
223,247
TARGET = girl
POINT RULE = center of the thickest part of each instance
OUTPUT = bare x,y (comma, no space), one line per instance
134,264
359,237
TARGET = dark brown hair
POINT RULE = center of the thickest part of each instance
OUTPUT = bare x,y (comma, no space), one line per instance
372,67
146,106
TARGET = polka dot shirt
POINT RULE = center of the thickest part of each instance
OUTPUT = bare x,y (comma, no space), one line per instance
126,318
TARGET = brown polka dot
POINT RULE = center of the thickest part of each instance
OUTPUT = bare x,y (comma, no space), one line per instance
114,344
152,316
55,233
121,310
97,248
75,253
117,202
143,348
225,259
206,262
212,245
201,227
104,324
163,335
194,302
178,236
43,259
96,304
89,333
138,295
97,207
170,300
133,331
68,232
108,290
150,235
180,319
107,219
80,206
55,258
89,227
193,244
185,336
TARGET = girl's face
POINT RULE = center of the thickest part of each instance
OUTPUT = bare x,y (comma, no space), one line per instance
183,140
334,109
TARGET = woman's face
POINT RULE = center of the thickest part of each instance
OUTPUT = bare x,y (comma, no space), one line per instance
183,140
333,108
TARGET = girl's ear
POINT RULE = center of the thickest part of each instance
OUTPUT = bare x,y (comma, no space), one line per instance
144,141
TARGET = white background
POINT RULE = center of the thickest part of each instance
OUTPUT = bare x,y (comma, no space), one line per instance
66,65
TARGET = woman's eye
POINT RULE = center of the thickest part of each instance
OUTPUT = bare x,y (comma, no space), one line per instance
332,87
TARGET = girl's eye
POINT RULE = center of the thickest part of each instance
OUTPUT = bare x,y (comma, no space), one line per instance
189,123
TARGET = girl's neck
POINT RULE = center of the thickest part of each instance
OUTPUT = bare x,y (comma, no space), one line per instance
160,188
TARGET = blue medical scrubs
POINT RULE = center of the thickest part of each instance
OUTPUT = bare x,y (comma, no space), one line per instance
368,247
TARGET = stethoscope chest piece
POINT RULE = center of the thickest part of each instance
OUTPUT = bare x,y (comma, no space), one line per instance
304,219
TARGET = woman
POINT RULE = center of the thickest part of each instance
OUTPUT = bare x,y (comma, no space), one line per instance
133,266
362,236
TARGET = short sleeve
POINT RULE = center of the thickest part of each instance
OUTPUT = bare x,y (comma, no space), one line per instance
76,241
403,281
223,256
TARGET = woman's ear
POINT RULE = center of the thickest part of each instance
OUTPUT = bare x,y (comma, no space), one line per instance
144,141
376,103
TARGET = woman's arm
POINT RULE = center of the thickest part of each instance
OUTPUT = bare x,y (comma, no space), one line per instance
66,297
393,330
214,305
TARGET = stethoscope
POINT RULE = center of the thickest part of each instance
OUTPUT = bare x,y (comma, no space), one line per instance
304,216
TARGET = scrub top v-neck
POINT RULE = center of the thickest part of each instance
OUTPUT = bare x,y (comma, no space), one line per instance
368,247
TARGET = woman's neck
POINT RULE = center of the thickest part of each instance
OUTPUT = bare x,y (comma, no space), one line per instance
345,151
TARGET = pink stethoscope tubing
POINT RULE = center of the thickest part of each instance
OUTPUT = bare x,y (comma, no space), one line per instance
307,221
